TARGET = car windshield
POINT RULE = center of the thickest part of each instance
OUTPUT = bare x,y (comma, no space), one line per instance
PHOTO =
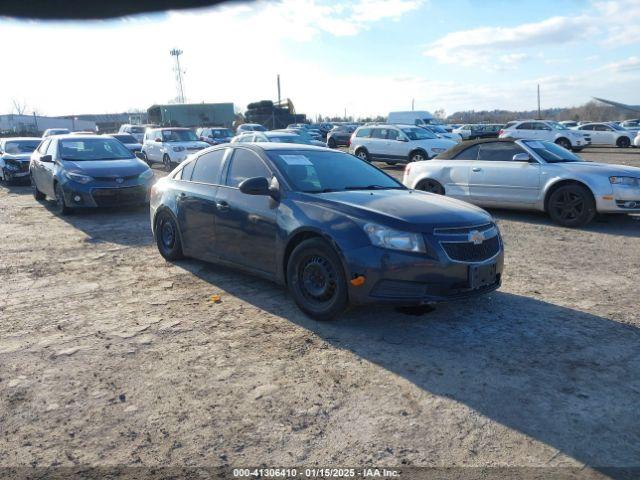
125,138
616,127
137,129
321,171
21,146
552,153
437,129
416,133
287,139
93,149
557,126
221,133
178,136
258,128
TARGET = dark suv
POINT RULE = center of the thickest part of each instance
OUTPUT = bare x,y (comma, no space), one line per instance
340,136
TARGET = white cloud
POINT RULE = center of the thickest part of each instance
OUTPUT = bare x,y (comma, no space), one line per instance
612,22
631,64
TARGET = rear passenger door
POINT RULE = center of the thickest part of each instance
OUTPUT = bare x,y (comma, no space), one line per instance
196,203
378,144
246,227
496,179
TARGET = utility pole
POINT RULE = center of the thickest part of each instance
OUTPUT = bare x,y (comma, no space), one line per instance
413,102
539,115
278,89
176,53
345,114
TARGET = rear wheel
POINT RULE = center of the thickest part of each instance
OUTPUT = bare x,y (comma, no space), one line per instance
166,160
316,280
564,143
363,155
61,205
146,159
571,206
37,194
429,185
331,143
168,237
623,142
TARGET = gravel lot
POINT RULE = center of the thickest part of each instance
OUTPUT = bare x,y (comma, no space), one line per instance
111,356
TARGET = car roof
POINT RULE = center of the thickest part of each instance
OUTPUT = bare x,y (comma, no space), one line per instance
68,136
281,146
8,139
453,151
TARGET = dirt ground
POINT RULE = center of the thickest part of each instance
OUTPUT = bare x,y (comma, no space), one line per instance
111,356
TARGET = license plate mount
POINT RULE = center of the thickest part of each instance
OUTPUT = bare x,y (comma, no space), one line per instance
482,275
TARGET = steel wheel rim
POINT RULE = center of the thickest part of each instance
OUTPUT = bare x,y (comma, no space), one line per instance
417,157
569,206
167,234
317,279
362,155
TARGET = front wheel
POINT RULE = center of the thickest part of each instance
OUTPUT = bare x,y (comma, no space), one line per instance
623,142
316,280
331,143
146,159
166,160
61,204
572,206
362,154
418,157
37,194
168,237
564,143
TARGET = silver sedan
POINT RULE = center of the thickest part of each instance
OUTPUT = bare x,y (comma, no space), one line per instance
529,174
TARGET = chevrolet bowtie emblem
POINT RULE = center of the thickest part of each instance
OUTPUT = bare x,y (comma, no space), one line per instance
119,180
476,237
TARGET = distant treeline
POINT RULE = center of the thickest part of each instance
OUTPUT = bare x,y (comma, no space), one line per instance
592,111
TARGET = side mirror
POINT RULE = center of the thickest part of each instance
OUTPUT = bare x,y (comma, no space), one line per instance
140,155
255,186
159,140
46,159
521,157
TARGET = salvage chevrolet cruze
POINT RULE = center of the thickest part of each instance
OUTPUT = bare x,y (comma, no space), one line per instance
333,228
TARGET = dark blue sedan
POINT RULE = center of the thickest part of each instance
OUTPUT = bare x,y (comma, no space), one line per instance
331,227
88,171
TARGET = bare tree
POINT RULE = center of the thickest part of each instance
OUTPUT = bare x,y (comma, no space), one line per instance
19,108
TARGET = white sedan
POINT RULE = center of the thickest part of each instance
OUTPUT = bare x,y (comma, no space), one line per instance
532,175
607,134
636,142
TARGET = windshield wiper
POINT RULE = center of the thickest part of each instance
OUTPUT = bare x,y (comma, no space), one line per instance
373,187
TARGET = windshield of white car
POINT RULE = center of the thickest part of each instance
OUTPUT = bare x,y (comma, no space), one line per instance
557,126
552,153
288,139
416,133
437,129
320,171
616,127
125,138
93,149
137,129
21,146
178,136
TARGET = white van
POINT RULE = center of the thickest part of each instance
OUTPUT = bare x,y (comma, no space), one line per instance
414,117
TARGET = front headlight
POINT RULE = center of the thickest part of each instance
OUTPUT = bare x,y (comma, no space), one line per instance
438,150
178,149
631,181
147,174
385,237
78,177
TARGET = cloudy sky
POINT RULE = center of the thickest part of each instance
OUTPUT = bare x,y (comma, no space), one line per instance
365,56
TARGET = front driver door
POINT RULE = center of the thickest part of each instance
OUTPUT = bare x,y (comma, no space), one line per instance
246,227
496,179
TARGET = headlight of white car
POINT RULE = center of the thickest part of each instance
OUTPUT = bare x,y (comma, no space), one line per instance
146,175
386,237
631,181
78,177
178,149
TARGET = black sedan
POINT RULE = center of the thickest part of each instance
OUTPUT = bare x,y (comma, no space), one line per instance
333,228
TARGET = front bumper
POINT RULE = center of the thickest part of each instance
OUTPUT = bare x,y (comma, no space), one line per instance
407,279
624,199
106,194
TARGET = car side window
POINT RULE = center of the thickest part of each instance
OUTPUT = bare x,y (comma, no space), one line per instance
43,146
602,128
379,133
586,127
51,147
392,134
470,153
185,173
498,151
245,164
207,167
525,126
364,133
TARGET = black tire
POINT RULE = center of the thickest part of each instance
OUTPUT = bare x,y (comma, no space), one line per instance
564,143
168,237
146,159
316,280
391,163
429,185
37,194
166,161
571,206
61,205
331,143
362,154
418,156
623,142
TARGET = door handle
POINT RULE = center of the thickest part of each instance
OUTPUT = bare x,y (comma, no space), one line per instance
222,206
476,169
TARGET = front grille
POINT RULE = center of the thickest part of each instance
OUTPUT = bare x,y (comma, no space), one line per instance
113,178
111,197
18,165
398,289
462,230
470,252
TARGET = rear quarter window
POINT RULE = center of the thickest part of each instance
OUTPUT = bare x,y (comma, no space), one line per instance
363,133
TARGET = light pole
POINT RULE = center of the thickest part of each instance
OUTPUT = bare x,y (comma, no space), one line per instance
176,53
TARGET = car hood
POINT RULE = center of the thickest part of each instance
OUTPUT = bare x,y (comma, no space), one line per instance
107,168
196,144
436,143
23,157
409,210
133,146
600,168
